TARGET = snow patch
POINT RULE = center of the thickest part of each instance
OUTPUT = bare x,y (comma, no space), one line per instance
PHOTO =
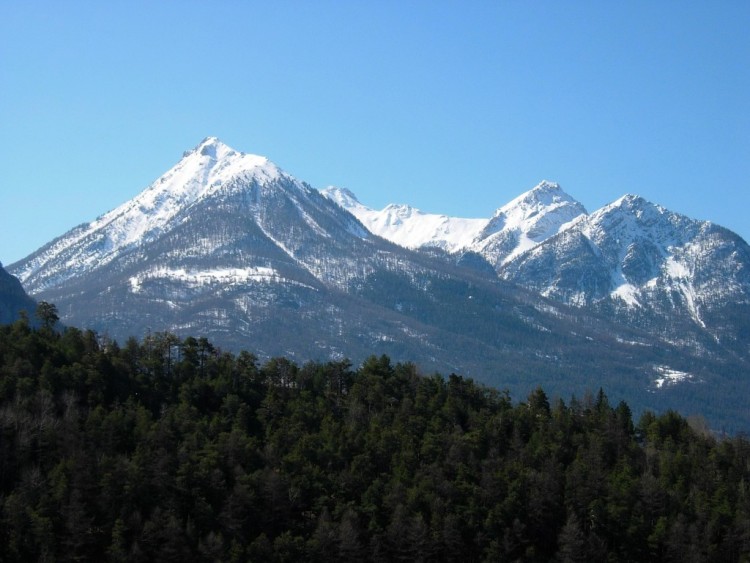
669,376
676,270
628,293
679,274
195,278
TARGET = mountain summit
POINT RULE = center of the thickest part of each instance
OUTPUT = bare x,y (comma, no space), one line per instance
222,234
516,227
526,221
209,168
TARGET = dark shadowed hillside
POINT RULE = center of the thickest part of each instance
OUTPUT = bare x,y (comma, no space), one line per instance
13,298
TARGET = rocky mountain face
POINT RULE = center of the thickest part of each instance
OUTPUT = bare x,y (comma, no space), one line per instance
13,299
686,281
229,246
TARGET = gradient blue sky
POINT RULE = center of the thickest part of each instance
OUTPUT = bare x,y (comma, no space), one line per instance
453,107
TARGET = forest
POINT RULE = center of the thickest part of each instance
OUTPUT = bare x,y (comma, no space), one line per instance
170,449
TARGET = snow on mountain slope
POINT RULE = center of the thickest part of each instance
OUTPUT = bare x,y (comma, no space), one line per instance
409,227
629,239
205,169
526,221
612,252
647,264
640,243
210,167
516,227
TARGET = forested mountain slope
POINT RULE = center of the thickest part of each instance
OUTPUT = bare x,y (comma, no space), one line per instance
169,450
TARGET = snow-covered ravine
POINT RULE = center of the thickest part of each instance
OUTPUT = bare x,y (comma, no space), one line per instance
219,276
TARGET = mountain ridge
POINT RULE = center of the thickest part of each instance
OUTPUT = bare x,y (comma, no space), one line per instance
628,254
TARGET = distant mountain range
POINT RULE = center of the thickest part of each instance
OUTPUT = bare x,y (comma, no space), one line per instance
687,281
648,303
526,221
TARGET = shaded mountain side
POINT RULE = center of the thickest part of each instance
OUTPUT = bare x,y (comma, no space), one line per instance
13,299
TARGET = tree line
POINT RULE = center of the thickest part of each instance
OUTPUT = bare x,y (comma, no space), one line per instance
170,449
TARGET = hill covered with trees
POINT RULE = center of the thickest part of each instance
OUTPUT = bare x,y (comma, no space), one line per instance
172,450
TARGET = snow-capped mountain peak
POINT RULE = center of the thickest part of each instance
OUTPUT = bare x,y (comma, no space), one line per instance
343,196
544,197
215,163
633,217
209,167
526,221
631,202
515,227
212,147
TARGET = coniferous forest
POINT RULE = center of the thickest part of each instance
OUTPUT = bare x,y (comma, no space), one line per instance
169,449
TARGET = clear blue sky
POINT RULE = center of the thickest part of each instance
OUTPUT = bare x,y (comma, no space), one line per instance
453,107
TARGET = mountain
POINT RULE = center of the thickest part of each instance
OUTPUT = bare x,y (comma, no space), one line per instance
250,202
528,220
13,299
514,228
633,261
229,246
687,280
